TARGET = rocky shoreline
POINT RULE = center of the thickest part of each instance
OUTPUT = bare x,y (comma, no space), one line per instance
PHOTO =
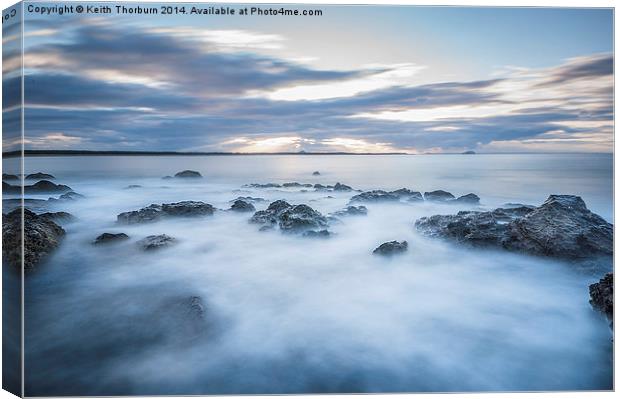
562,227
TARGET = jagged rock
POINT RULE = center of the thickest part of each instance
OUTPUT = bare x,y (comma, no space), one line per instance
107,238
602,296
342,187
6,176
391,248
562,227
188,173
39,175
374,196
154,212
470,198
41,236
242,206
301,218
316,173
156,242
352,210
438,196
317,234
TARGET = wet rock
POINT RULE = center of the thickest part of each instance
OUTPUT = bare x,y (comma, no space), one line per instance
352,210
316,173
242,206
154,212
468,199
154,242
107,238
301,218
342,187
39,175
6,176
438,196
188,173
41,236
317,234
602,296
562,227
374,196
391,248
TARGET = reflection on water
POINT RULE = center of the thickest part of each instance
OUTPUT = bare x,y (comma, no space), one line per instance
279,313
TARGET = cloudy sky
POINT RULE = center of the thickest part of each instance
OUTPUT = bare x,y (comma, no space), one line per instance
356,79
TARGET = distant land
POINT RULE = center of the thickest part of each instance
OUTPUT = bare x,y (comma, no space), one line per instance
56,153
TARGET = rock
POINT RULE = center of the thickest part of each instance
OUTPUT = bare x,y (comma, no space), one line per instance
405,193
107,238
562,227
352,210
41,237
188,173
602,296
71,196
188,208
517,205
316,173
301,218
317,234
391,248
6,176
132,186
156,242
59,217
374,196
154,212
271,214
342,187
251,200
39,175
267,185
295,184
468,152
242,206
46,186
438,196
320,187
468,199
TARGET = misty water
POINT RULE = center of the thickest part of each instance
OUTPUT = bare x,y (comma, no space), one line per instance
286,314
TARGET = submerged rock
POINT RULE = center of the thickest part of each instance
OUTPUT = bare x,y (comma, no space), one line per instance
562,227
188,173
352,210
41,236
154,212
6,176
39,175
242,206
342,187
470,198
107,238
602,296
438,196
156,242
391,248
374,196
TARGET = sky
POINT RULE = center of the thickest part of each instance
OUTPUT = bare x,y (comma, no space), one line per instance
355,79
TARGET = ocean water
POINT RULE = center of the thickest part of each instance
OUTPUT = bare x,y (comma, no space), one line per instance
285,314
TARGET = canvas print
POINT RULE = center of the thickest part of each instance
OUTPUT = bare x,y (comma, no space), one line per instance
207,199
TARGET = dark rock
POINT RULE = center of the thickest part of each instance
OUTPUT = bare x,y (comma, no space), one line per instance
316,173
39,175
391,248
41,237
602,296
267,185
131,186
242,206
107,238
320,187
352,211
562,227
374,196
406,194
46,186
438,196
468,152
271,214
6,176
342,187
156,242
188,173
71,196
251,200
154,212
301,218
317,234
468,199
59,217
295,184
